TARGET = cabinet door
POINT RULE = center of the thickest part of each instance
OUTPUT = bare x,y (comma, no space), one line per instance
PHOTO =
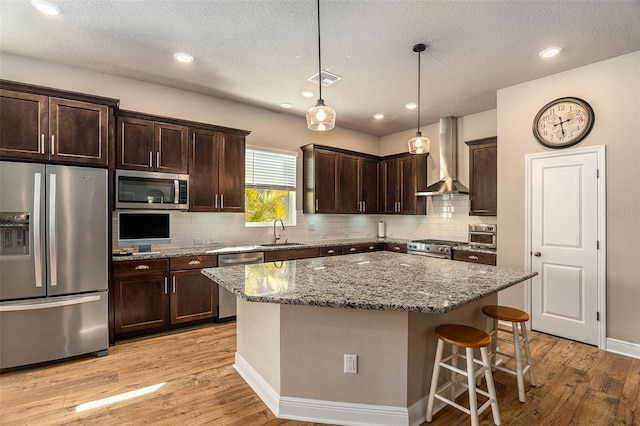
24,125
171,148
231,177
483,174
408,185
79,132
203,171
326,181
390,186
141,302
135,144
349,184
193,297
369,185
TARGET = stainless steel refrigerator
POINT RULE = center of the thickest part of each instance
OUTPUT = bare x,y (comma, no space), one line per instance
53,262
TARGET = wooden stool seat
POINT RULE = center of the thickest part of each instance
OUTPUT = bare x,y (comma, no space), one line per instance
505,313
469,338
463,336
518,333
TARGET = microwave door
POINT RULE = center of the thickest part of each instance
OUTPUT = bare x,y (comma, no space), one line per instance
22,231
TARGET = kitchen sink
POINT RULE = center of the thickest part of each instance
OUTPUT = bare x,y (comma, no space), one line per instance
281,244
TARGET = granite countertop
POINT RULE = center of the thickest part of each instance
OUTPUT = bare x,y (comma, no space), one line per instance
247,248
374,281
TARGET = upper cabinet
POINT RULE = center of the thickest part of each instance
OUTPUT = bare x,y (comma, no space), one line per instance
53,126
358,184
483,171
320,180
216,170
402,176
151,144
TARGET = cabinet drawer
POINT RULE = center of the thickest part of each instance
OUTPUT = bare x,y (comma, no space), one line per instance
273,256
330,251
131,267
193,262
362,248
474,257
397,248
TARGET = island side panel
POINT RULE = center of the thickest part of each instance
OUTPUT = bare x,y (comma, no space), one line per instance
315,339
258,339
422,343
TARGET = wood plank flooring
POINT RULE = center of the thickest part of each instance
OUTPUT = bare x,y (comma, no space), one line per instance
577,385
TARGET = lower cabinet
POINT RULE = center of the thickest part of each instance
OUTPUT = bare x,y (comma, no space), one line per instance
474,257
301,253
153,295
398,248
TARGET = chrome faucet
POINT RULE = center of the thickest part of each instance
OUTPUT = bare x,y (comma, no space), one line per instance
275,237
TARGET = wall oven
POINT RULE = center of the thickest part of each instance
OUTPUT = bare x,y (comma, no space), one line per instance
483,235
151,190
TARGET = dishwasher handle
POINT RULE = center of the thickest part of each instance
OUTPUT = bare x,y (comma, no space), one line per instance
240,259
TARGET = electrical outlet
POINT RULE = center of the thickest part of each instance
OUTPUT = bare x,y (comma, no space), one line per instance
198,241
323,236
312,227
351,364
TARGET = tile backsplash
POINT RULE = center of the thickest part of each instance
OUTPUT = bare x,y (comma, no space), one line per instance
447,219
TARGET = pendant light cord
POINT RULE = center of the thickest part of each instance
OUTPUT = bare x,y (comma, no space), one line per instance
418,90
319,55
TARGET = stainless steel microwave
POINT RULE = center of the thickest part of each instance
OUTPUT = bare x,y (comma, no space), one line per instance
151,190
483,235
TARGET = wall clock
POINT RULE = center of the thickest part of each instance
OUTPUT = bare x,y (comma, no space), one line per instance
563,122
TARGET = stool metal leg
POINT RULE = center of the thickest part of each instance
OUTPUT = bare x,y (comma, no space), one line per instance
434,380
527,351
471,379
490,386
519,375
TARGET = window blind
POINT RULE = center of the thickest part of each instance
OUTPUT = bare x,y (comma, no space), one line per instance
268,169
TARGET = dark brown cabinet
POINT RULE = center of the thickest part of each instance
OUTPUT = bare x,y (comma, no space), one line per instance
216,171
358,184
147,143
396,248
278,255
141,295
363,248
320,181
402,175
483,171
193,296
474,257
49,127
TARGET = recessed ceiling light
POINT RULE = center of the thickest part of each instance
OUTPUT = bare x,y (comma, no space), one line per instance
183,57
549,52
286,105
307,93
411,106
378,116
46,7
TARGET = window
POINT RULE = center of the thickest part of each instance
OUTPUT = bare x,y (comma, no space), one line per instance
270,193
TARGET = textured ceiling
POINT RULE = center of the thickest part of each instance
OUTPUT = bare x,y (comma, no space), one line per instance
263,52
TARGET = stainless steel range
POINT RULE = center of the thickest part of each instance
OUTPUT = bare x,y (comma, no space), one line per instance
433,248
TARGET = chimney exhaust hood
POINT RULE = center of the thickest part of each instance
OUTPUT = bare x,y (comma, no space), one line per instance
448,183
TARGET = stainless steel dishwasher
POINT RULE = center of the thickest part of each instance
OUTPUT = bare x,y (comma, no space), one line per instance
226,299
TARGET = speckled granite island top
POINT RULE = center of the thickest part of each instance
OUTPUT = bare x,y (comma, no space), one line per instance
374,281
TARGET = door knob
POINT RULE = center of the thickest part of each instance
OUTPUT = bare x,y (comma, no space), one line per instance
537,254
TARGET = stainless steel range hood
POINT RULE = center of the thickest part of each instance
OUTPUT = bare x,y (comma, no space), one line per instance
448,183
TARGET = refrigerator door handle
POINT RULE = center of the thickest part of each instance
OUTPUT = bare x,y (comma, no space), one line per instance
48,304
52,231
37,244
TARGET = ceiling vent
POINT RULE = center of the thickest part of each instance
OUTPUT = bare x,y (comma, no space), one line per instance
327,78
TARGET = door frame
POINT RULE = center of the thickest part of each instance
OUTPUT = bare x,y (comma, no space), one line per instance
601,185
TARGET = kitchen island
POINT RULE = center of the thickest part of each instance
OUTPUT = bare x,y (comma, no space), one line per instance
297,319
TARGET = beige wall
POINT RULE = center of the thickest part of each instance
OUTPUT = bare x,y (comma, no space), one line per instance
612,88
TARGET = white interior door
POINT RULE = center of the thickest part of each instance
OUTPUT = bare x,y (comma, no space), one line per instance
564,245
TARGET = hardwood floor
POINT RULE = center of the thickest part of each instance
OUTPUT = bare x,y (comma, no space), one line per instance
577,385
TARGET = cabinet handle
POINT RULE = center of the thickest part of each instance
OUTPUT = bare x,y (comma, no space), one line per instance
215,197
396,248
42,143
472,257
141,267
173,284
317,204
364,207
53,144
221,201
165,286
371,248
194,262
331,251
352,249
158,159
151,159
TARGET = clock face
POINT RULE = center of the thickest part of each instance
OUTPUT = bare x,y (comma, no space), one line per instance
563,122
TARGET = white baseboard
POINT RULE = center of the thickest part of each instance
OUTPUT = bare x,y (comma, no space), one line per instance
623,348
333,412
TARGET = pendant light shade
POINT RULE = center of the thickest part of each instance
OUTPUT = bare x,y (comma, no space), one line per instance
419,144
321,117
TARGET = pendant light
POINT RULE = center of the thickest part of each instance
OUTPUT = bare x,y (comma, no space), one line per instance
321,117
419,144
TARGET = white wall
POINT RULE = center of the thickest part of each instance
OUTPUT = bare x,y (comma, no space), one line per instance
612,88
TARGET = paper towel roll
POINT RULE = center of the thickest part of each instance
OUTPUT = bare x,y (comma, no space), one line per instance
381,229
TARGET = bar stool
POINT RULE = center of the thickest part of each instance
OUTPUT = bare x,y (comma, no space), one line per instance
517,318
469,338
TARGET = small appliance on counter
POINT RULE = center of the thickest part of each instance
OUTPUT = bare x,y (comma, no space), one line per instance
483,235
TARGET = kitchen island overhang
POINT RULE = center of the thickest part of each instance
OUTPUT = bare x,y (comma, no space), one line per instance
297,319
